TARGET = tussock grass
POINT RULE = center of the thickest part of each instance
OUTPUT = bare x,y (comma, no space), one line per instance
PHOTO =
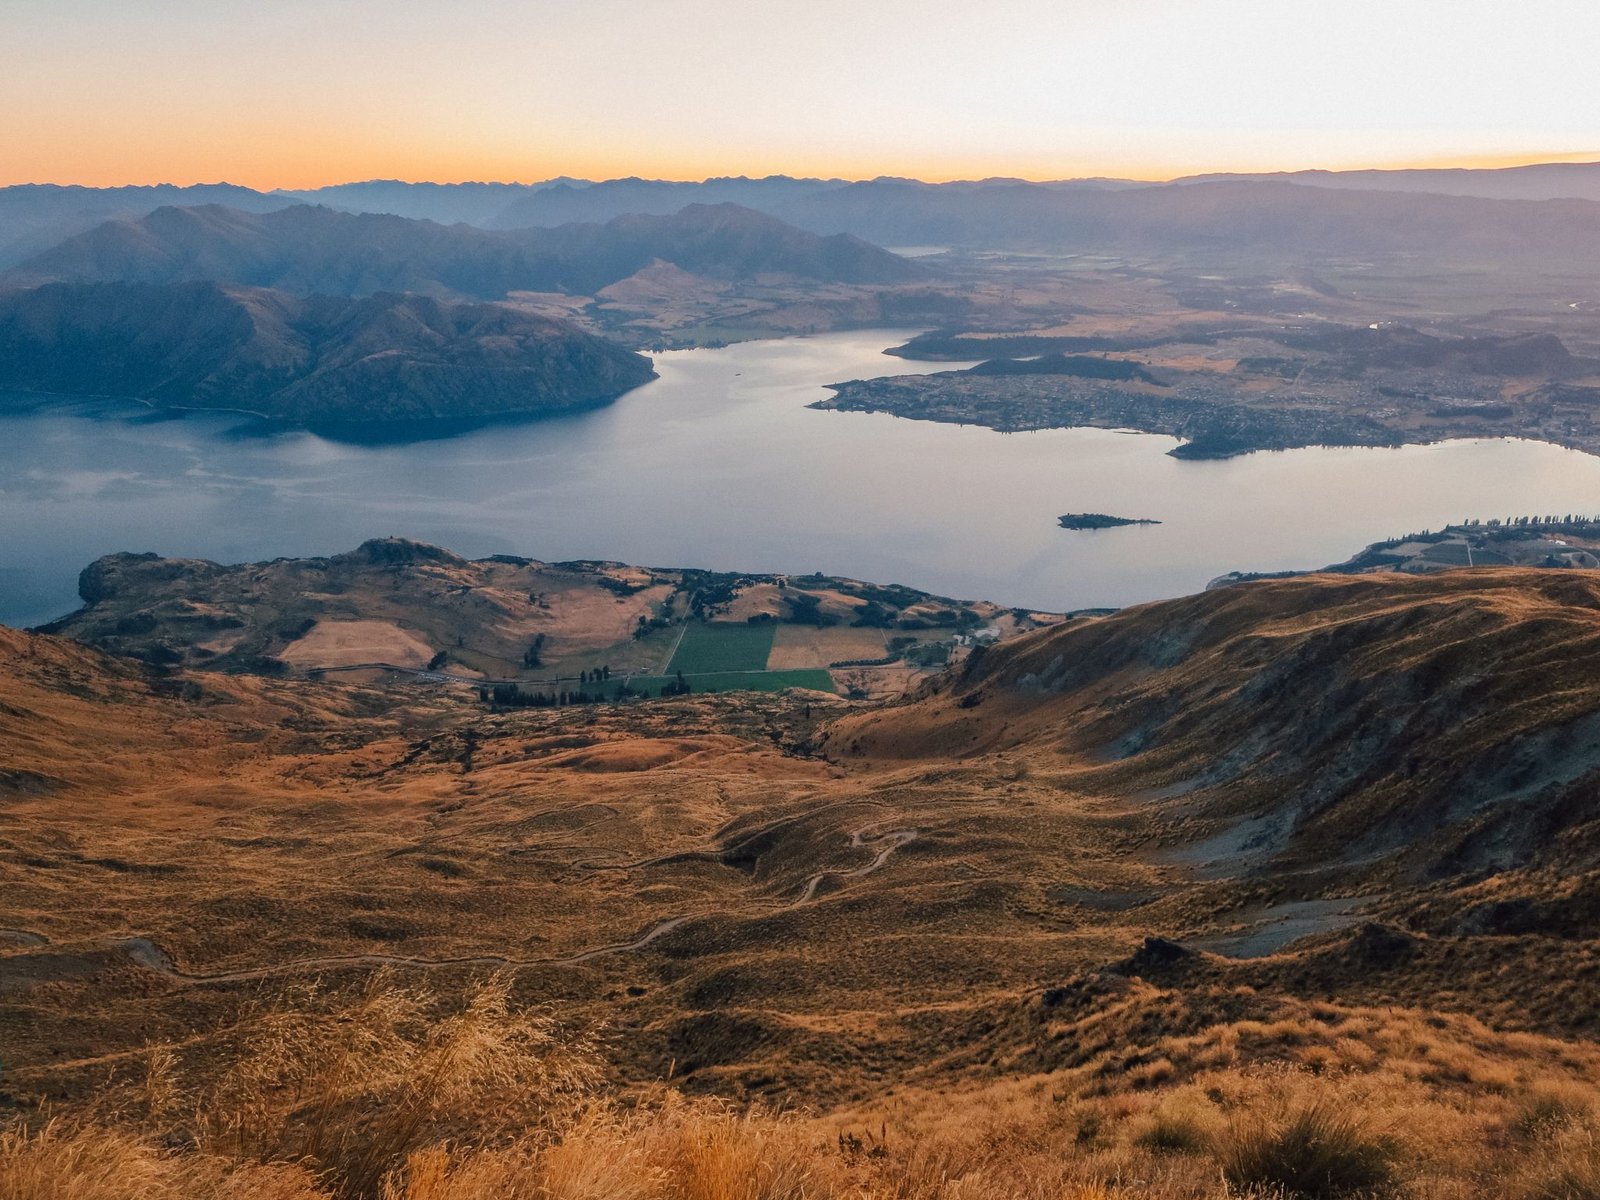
1184,1122
395,1094
1320,1150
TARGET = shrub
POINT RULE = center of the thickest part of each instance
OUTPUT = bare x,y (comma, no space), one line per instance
353,1092
64,1162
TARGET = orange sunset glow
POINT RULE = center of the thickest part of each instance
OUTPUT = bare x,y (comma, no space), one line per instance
296,94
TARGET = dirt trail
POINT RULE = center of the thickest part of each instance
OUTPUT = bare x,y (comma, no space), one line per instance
151,956
891,841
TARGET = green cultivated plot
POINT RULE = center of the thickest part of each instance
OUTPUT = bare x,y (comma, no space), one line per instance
723,646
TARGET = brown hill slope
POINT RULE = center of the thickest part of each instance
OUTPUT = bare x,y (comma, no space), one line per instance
962,900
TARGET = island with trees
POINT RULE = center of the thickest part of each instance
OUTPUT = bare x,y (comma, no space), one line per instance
1100,521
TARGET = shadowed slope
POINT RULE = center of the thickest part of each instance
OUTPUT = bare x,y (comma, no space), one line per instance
1450,722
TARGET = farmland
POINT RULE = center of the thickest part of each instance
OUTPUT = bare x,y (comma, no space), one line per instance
394,611
720,646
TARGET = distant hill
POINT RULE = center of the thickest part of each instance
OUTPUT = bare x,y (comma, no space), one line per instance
447,203
1284,218
1401,347
483,615
719,241
888,211
570,202
308,249
1524,212
1080,366
1278,219
34,217
300,249
304,359
1539,181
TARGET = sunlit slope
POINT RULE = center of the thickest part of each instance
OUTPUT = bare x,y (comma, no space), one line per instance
1377,789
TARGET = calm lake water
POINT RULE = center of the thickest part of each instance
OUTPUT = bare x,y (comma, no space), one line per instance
720,464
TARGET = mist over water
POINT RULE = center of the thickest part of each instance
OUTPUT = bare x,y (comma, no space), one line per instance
719,463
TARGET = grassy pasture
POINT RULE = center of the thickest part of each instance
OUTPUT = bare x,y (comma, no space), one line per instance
722,646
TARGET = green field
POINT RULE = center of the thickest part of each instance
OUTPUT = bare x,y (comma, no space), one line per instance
723,646
737,681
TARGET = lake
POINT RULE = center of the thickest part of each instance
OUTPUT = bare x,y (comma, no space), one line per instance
720,464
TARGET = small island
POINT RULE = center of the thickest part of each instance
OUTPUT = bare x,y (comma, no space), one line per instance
1101,521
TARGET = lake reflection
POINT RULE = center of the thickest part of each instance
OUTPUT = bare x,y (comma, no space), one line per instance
719,463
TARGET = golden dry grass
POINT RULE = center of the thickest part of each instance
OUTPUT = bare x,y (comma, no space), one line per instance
923,949
403,1095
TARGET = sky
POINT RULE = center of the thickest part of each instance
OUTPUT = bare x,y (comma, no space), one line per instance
300,93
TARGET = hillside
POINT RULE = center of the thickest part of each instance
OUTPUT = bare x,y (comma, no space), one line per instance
1353,817
1375,728
814,911
385,358
306,249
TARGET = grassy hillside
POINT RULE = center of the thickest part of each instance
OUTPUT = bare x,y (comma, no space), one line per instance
1289,886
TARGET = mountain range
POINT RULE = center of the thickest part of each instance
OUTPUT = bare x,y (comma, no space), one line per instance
309,249
895,212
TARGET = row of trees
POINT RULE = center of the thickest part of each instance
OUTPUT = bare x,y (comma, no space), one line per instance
1522,522
513,695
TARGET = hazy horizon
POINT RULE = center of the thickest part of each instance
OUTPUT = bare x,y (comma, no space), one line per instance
1585,158
182,91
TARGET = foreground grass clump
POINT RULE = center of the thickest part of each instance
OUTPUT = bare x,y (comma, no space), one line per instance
1320,1150
391,1093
